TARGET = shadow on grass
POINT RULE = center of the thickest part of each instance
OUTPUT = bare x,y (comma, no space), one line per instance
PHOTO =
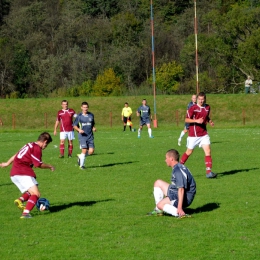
236,171
6,184
111,164
205,208
57,208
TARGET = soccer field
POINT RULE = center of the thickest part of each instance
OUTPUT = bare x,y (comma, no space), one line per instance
100,213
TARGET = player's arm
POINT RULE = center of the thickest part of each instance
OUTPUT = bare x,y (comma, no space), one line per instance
137,113
130,113
47,166
55,127
198,121
180,201
5,164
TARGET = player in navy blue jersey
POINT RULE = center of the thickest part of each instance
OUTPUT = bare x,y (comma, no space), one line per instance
175,197
84,124
187,125
145,118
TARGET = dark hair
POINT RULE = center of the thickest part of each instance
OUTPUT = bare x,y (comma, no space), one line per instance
64,100
84,103
173,154
45,137
126,103
202,94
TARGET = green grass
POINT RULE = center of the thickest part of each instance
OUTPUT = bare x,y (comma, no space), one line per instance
226,110
100,213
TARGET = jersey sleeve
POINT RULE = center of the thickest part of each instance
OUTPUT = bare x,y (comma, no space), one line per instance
130,110
76,121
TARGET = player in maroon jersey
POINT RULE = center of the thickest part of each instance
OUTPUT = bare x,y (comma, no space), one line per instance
22,174
198,117
65,119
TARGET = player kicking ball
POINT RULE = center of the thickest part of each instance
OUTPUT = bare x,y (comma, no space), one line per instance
22,174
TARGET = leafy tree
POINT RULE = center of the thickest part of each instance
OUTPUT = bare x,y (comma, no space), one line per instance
107,84
168,77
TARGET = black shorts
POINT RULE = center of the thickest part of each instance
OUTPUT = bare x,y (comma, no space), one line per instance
126,118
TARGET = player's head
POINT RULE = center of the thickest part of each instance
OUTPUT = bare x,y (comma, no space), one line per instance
64,104
44,138
193,98
84,107
201,98
248,77
144,101
126,104
172,153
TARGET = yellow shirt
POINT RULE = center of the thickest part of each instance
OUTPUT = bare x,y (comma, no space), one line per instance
127,111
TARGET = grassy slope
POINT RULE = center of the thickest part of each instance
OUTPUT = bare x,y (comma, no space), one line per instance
226,110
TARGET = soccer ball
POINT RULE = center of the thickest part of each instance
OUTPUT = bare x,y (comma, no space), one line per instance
42,204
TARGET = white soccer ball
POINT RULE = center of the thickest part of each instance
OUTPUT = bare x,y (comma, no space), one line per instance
42,207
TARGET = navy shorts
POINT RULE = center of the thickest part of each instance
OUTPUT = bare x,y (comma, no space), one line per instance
86,143
173,196
145,121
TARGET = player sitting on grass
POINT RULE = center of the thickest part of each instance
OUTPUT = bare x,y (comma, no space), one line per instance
173,198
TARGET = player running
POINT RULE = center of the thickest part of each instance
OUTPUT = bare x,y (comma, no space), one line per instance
84,124
198,117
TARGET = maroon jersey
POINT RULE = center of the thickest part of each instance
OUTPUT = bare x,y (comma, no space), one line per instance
196,112
65,118
30,155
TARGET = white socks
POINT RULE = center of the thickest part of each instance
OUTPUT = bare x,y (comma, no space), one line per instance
150,132
158,195
82,159
182,134
170,210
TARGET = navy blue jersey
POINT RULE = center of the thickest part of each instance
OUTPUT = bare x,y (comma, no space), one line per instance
144,112
190,105
182,178
86,123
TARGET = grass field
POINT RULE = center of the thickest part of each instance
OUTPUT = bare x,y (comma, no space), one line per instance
100,213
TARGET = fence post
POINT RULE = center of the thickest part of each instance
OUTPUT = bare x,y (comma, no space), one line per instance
177,117
110,119
45,117
244,117
1,122
13,121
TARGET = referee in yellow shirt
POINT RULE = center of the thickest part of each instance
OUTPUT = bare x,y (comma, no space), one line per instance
126,115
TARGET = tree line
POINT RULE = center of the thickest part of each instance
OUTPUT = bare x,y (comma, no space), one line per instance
54,48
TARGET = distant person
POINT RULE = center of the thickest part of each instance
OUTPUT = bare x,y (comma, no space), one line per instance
145,116
84,124
65,119
126,115
22,174
175,197
248,85
198,117
187,125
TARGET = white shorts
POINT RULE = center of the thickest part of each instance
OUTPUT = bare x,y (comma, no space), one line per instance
192,142
24,183
65,135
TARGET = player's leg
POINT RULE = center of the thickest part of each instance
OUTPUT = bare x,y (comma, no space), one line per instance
208,161
183,132
29,187
149,130
140,129
63,137
159,191
125,121
192,142
130,126
70,136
